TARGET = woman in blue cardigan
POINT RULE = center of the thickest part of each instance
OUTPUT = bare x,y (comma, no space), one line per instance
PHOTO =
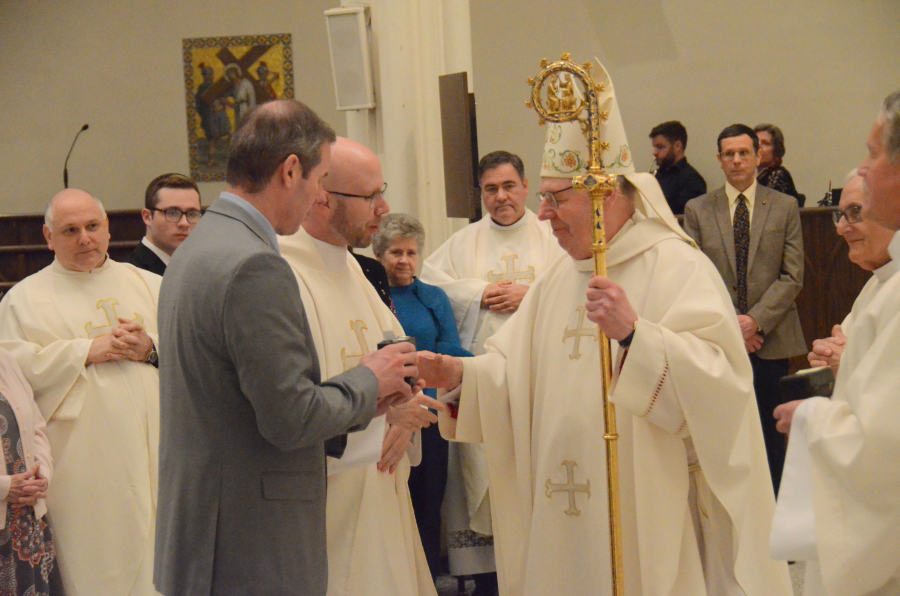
426,314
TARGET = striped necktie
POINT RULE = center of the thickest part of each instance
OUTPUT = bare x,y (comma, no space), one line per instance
741,249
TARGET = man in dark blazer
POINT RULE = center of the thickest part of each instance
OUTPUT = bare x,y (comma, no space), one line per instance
243,412
752,235
171,210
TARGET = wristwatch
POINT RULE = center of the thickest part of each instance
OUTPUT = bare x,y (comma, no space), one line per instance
152,355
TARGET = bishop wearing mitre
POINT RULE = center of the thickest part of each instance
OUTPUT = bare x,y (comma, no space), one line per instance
696,497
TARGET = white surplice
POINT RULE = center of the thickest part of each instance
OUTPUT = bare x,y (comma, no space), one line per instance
373,541
853,443
473,258
102,420
690,439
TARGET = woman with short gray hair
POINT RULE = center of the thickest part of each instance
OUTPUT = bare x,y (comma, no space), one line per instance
425,313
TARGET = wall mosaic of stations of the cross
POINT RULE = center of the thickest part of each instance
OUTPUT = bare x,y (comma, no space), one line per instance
224,78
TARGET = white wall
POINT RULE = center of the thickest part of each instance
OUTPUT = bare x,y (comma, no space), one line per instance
819,69
118,67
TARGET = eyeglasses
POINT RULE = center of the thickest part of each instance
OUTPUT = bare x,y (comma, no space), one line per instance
370,198
174,215
550,196
853,214
744,154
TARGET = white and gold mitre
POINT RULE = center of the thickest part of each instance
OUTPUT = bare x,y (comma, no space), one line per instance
566,148
566,153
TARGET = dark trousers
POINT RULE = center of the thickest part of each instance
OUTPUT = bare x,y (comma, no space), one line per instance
766,374
426,490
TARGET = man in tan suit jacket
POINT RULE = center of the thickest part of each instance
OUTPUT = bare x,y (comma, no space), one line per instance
771,251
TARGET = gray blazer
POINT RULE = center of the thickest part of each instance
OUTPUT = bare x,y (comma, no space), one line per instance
243,418
775,262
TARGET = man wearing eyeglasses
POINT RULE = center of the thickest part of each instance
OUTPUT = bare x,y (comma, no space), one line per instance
752,235
868,243
690,449
171,210
841,482
486,269
373,546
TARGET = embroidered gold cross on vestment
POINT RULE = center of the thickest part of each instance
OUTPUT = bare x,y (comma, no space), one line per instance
511,274
351,360
569,487
108,307
579,332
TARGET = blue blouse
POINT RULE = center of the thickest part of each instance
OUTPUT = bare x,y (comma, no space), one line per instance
425,313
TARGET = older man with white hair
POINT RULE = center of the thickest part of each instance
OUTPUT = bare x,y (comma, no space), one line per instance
695,489
841,508
83,330
868,247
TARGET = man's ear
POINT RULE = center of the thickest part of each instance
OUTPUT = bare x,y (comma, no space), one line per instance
48,237
291,171
146,215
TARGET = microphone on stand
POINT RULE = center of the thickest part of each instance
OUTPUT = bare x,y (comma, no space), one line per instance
66,165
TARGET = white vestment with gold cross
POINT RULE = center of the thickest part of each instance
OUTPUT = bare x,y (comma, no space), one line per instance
695,490
102,420
473,258
373,541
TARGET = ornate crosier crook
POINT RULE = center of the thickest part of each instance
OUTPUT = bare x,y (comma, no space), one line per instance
562,103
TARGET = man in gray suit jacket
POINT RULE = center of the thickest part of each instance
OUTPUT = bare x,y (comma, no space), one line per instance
243,412
752,235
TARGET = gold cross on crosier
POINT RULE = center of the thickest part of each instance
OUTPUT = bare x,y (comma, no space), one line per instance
351,360
569,487
511,274
578,333
108,307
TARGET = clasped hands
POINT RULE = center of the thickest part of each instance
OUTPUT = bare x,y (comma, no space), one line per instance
503,297
128,341
753,339
26,488
828,351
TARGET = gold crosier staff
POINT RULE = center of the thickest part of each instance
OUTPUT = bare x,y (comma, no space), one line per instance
565,106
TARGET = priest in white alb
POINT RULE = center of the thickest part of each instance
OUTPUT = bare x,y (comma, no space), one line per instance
83,331
696,497
373,542
839,505
486,269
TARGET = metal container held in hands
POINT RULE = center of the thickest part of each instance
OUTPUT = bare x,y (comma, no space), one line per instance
399,340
